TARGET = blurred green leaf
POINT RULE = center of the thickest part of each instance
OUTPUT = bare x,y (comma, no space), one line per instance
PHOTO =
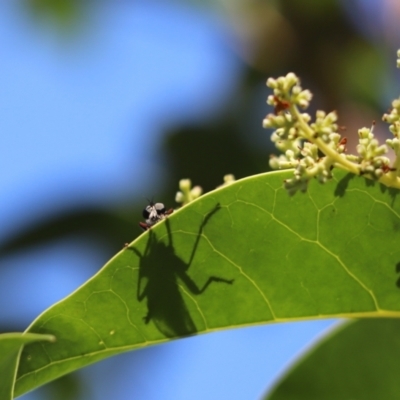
63,12
10,349
241,255
359,360
363,70
68,387
207,153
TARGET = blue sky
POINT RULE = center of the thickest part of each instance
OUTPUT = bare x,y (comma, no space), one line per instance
80,122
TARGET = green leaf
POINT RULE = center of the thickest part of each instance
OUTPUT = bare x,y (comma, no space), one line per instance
359,360
64,12
10,348
331,252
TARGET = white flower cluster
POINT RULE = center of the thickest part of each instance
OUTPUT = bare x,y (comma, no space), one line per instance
371,159
287,90
313,149
228,179
187,193
398,58
393,118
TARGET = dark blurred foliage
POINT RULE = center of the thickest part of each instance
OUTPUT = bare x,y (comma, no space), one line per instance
331,54
108,227
68,387
64,13
205,154
312,38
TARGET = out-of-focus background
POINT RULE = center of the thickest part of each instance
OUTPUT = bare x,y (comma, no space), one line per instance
105,103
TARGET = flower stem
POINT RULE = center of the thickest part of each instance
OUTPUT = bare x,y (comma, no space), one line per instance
390,179
328,151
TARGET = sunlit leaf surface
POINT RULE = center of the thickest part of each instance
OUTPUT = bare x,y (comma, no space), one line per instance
241,255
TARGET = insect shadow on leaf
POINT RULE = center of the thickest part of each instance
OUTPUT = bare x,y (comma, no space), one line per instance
343,184
163,270
398,271
393,192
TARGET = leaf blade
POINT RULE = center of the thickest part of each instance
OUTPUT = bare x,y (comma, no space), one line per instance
290,258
